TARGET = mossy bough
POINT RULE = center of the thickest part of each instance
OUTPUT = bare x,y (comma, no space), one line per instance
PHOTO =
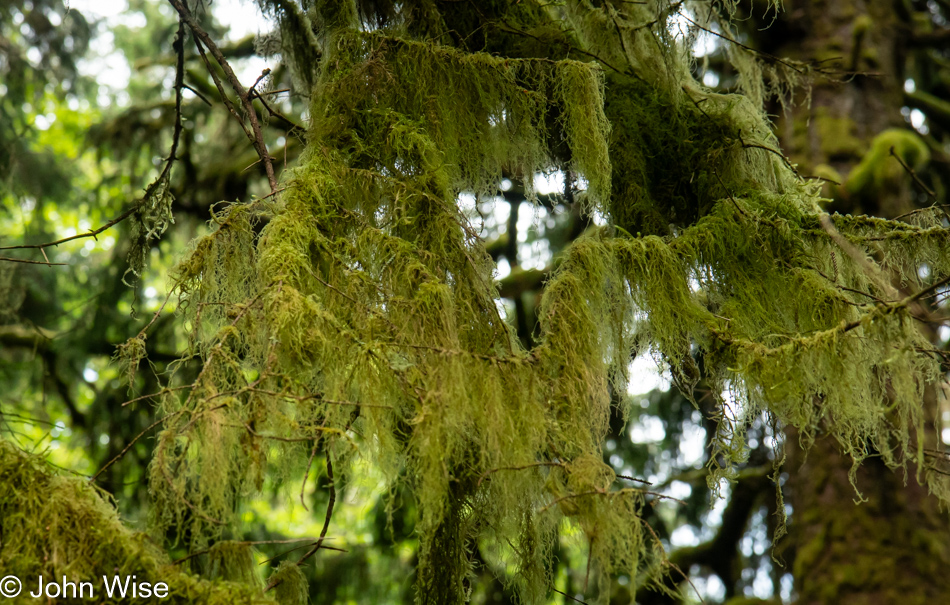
363,320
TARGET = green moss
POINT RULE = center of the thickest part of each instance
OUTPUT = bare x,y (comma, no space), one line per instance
290,585
878,171
366,312
837,135
58,526
861,25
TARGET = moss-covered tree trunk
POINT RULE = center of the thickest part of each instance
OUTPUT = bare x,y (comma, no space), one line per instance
895,546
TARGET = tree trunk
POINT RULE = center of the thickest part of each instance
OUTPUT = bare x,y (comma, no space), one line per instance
895,546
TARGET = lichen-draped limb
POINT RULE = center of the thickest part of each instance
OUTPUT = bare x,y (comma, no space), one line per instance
363,319
375,310
833,360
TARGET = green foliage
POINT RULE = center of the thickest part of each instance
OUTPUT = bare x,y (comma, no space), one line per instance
40,42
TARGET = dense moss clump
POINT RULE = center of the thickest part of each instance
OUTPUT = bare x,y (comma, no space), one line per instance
63,527
362,319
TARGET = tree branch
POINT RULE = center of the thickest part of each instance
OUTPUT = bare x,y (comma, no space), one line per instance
257,139
179,46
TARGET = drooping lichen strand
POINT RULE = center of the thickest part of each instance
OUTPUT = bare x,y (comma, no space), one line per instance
363,319
461,120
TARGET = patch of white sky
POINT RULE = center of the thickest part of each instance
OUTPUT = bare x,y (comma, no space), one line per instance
532,220
112,71
754,543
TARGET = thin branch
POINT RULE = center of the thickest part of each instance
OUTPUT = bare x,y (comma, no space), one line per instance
217,83
133,442
326,521
157,393
598,492
29,262
629,478
243,543
319,398
861,259
92,234
277,114
514,468
290,550
729,193
913,174
568,596
764,55
198,94
919,210
258,138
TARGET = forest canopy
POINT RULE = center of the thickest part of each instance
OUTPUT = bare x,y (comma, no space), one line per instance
333,306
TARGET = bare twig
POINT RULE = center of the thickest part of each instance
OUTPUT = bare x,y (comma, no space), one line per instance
199,95
277,114
244,543
726,189
914,176
92,234
157,393
257,138
131,443
29,262
576,600
629,478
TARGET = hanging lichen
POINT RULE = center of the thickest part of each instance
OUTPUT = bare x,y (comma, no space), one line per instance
363,318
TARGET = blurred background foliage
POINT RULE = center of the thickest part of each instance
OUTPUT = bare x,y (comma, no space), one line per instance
86,119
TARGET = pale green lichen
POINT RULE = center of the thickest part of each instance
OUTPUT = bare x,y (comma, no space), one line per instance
363,318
